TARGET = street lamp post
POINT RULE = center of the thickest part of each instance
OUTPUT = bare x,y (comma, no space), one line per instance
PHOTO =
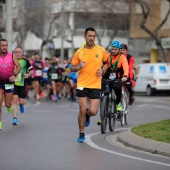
9,23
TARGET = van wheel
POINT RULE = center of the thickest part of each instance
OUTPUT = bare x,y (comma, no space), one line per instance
149,91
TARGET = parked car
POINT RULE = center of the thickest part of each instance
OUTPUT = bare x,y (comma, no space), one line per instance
153,77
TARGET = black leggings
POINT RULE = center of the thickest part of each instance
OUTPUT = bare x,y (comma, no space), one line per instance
117,88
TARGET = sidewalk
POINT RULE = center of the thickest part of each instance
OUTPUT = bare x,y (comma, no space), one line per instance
130,139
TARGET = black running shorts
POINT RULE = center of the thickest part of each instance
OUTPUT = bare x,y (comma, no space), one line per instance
20,91
87,92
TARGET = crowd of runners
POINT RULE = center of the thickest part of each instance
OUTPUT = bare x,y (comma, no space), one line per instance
51,79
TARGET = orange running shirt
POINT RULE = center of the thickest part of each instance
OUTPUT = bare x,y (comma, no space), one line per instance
94,58
122,63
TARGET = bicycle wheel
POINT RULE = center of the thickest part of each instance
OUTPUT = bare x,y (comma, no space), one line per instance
103,113
122,114
126,116
112,117
122,118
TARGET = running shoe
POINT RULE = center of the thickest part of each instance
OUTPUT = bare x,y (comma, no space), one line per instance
27,98
52,97
87,123
0,125
10,109
81,139
15,121
55,97
47,98
22,108
42,94
37,97
119,107
99,122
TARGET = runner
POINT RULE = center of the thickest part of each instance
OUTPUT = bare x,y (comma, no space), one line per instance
88,60
8,63
19,85
28,81
54,77
38,66
45,81
65,77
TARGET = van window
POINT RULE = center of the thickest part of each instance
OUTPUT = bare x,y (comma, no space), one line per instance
162,69
151,69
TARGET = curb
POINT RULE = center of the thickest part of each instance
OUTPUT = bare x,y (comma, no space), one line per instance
155,147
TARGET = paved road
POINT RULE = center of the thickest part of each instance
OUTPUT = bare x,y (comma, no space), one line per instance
47,132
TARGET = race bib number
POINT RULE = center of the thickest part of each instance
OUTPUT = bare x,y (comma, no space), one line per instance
38,72
45,75
18,77
112,76
54,76
9,86
80,88
63,78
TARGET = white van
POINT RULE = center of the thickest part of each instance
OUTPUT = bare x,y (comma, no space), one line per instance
153,77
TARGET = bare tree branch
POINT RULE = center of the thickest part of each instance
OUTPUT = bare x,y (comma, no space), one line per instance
163,21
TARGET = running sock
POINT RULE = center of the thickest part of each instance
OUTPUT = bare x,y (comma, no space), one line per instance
81,135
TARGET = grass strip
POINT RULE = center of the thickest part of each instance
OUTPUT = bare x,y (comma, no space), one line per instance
159,131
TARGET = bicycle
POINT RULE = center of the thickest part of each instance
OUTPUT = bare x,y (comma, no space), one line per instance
107,106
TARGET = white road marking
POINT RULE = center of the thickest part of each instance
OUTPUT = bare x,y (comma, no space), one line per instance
31,105
142,105
92,144
151,107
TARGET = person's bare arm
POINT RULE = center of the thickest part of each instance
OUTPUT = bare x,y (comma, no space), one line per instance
17,65
29,74
102,71
76,68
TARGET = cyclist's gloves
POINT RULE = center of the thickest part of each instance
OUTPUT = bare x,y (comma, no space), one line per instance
124,78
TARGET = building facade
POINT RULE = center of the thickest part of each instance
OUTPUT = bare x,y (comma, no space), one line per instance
56,27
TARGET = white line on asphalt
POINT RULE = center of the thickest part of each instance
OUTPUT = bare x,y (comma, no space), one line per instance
35,104
142,105
92,144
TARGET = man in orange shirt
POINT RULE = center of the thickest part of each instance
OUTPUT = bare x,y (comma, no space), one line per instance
89,60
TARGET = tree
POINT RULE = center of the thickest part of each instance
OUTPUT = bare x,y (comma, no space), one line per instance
39,21
102,16
148,12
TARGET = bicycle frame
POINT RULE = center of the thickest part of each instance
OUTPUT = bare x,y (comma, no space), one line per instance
107,107
125,95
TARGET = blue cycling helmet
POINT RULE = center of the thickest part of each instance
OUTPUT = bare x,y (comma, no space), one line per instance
116,44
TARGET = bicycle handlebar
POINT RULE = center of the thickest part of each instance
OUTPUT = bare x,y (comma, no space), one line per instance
115,80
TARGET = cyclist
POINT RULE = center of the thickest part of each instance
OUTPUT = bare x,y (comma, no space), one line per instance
88,60
19,85
131,61
117,68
